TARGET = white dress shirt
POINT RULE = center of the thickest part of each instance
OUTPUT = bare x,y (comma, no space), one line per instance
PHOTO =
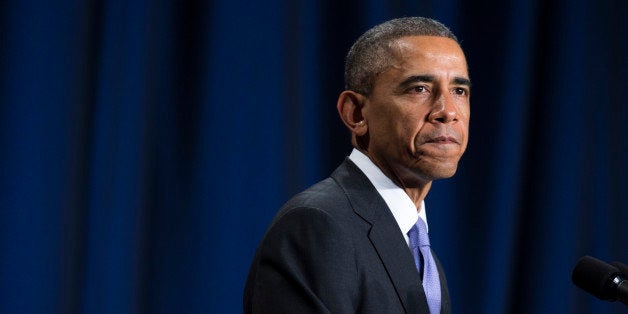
400,204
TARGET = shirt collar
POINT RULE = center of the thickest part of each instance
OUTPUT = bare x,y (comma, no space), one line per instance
400,204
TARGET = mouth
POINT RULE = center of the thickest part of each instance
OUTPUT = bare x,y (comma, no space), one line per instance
443,140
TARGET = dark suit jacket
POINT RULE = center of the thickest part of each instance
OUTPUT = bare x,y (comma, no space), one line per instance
336,248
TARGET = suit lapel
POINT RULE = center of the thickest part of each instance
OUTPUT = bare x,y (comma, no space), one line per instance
384,235
399,264
445,301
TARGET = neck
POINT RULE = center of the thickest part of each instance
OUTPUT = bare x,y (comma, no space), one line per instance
416,187
417,195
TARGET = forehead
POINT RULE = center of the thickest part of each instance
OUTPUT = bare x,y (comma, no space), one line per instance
428,53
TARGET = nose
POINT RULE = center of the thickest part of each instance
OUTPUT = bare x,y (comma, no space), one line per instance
444,109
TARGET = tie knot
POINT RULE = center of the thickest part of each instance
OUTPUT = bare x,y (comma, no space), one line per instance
418,234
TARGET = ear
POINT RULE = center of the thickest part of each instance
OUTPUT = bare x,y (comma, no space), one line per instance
349,107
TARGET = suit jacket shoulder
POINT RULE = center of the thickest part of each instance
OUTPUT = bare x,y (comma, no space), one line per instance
334,248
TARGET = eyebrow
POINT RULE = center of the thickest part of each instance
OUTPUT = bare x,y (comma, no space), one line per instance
418,79
431,78
462,81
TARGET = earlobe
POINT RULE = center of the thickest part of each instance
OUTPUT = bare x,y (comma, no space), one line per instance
350,105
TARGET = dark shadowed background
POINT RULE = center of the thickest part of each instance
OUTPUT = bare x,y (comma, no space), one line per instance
146,145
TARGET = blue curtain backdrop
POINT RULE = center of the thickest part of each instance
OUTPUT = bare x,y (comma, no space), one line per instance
146,145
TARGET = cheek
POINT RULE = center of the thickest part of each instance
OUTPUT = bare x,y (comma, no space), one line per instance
396,120
409,121
464,119
465,111
414,130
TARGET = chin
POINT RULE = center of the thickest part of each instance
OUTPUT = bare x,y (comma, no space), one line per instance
440,172
443,175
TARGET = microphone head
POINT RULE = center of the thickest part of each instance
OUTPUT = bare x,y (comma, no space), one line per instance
623,268
595,277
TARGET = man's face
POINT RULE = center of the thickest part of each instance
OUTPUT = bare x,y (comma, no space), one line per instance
418,111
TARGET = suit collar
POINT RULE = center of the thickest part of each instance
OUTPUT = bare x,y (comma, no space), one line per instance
401,206
384,234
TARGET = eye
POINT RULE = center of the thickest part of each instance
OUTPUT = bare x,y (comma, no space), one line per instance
419,89
460,91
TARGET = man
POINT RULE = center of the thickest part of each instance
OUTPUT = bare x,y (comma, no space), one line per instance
353,242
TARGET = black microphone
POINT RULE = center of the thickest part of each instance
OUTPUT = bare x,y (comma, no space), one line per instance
622,268
600,279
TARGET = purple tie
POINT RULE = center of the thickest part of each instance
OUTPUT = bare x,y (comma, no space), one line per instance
420,245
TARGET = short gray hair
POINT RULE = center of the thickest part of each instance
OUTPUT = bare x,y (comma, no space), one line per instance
370,54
